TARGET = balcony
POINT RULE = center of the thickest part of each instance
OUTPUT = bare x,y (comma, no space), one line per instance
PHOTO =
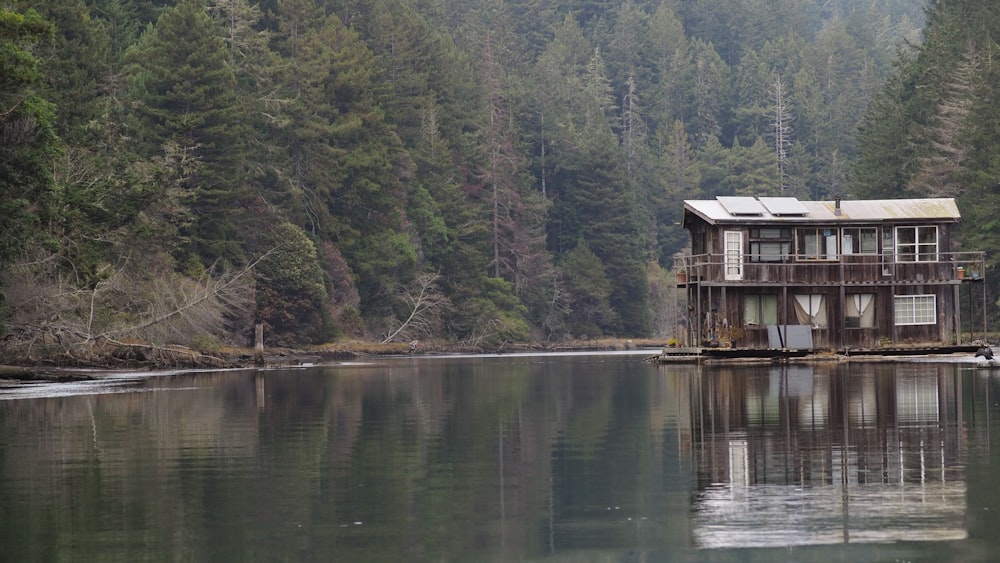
847,270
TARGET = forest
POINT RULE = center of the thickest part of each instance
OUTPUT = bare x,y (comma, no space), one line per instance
475,172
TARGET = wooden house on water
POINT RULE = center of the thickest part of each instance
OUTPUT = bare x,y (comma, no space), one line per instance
776,273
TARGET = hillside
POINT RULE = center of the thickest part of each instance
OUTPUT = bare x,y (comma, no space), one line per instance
464,171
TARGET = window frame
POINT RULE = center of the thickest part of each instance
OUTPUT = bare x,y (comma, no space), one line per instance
915,249
823,236
907,305
732,255
764,306
856,240
778,238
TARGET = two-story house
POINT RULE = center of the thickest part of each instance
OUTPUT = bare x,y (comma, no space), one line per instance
779,273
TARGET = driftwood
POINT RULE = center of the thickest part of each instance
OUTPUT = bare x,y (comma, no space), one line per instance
108,353
162,356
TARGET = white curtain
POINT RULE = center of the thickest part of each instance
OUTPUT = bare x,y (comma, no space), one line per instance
811,310
862,305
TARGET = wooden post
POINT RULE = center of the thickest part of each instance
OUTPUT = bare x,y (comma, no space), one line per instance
258,346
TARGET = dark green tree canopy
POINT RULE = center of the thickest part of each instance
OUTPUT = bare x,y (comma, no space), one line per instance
530,158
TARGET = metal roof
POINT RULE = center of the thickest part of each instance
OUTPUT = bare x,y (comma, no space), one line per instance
791,210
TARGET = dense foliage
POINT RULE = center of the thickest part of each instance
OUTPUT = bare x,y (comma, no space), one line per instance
507,170
934,130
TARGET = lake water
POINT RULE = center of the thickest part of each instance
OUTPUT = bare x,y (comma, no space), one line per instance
579,457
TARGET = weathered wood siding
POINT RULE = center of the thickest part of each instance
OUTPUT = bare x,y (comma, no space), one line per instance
731,326
717,303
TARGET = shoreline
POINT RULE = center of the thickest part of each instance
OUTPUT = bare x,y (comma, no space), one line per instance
173,358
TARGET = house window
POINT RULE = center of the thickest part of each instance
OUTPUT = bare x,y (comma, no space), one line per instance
859,310
698,242
917,244
810,309
816,243
734,255
770,245
916,309
760,310
859,240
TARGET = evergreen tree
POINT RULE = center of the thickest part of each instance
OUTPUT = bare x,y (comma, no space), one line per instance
712,159
752,106
942,166
597,205
188,97
753,170
28,142
680,179
709,91
886,159
669,94
290,291
340,153
588,289
74,61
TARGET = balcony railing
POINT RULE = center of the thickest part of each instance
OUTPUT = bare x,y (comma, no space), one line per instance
846,269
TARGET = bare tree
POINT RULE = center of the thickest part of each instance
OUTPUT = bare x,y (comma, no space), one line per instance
129,308
782,124
634,130
425,304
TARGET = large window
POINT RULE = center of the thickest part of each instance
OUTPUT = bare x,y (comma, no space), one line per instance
916,309
859,240
770,245
810,309
816,243
917,244
859,310
760,310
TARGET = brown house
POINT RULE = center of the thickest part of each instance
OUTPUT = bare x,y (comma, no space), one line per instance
779,273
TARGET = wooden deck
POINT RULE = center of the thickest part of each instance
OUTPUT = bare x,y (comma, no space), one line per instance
703,354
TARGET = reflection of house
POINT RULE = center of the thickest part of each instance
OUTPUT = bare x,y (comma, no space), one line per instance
844,274
828,455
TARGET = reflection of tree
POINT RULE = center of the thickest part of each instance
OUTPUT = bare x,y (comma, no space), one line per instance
508,458
434,460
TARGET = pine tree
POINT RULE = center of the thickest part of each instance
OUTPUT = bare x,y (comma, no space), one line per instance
74,63
753,170
341,157
28,141
189,101
669,95
679,179
588,290
709,89
942,166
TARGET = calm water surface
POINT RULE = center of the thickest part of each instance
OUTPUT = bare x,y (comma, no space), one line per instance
514,458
